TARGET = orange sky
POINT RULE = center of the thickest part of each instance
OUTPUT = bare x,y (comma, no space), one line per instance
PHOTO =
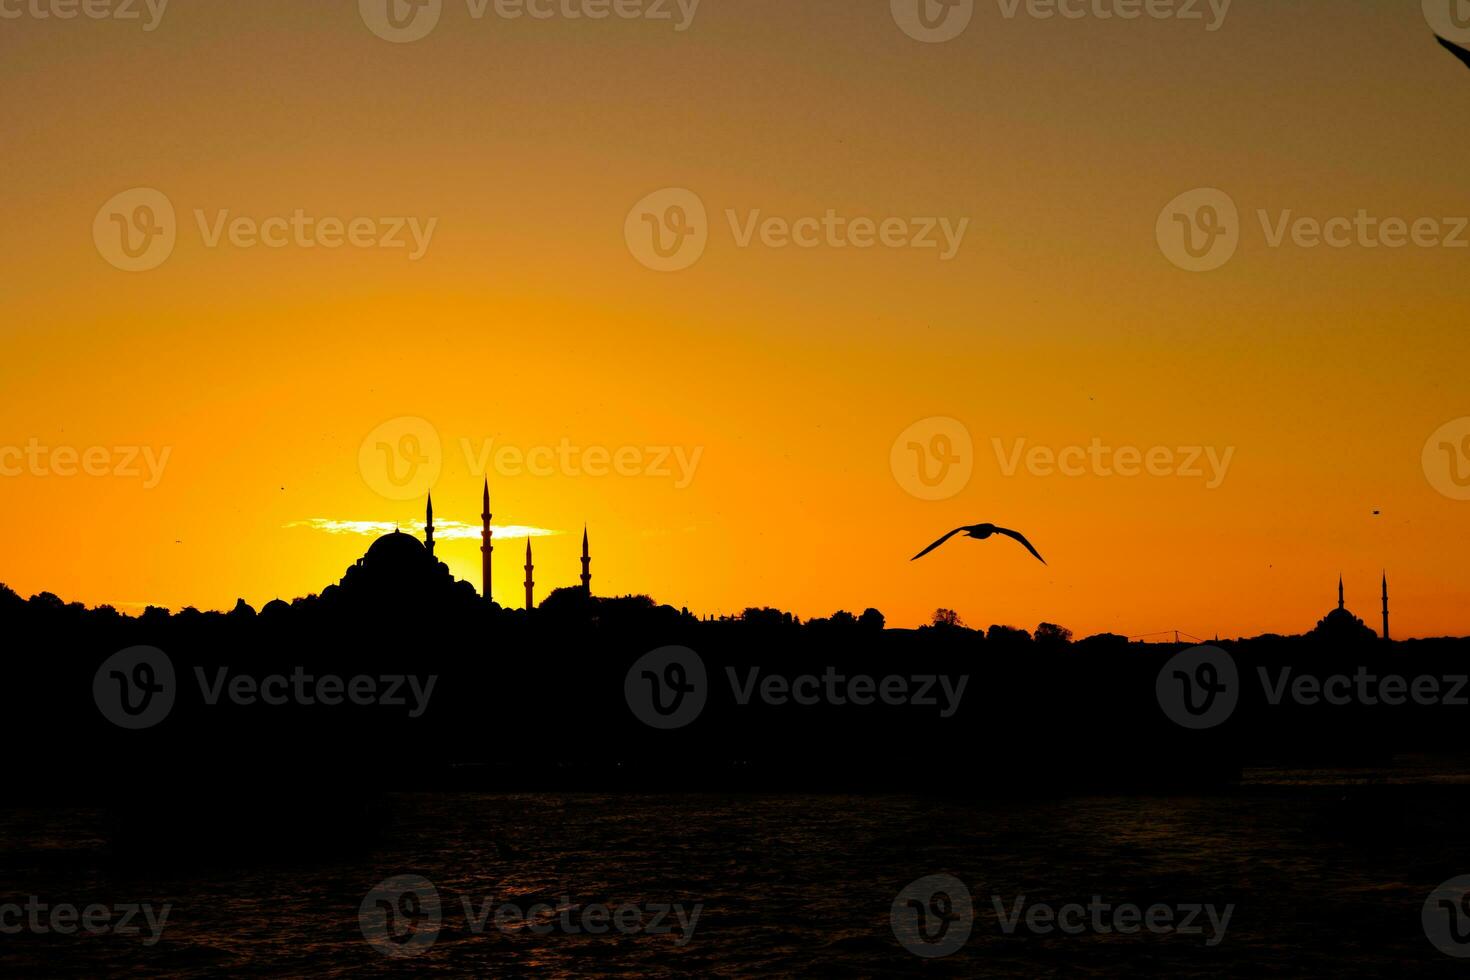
789,371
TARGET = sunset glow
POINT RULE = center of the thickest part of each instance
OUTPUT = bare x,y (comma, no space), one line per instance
1195,451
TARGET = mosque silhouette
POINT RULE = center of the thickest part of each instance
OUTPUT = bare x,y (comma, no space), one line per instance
1342,626
400,567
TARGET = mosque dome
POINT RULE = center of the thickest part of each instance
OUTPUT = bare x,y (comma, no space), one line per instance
1340,624
396,547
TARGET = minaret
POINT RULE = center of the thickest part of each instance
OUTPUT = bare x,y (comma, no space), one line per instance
1339,592
487,547
1385,605
586,564
429,527
530,582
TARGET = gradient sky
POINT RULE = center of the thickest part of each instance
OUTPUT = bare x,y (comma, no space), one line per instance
529,322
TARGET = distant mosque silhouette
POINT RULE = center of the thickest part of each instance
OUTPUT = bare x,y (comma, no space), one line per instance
1340,624
401,566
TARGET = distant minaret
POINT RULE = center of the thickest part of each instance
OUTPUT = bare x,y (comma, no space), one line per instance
586,564
429,527
530,583
487,547
1385,605
1340,603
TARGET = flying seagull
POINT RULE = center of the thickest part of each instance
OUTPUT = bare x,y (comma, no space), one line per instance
1455,50
980,532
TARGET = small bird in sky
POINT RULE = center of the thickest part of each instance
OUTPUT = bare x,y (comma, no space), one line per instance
980,532
1455,50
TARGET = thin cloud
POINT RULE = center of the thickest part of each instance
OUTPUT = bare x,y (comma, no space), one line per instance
443,530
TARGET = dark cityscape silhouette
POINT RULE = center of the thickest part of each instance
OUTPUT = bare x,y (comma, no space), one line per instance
398,612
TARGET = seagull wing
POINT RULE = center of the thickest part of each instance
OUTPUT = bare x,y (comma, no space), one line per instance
1021,538
937,544
1455,50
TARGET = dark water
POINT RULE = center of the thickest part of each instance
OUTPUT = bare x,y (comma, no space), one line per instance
1327,876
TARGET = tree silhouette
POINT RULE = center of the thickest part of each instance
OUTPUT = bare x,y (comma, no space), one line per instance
1050,634
947,618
